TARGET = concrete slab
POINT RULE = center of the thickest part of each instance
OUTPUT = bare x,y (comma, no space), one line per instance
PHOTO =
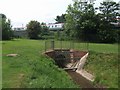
12,55
86,75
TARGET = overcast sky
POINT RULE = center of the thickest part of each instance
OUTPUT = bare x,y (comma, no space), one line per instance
22,11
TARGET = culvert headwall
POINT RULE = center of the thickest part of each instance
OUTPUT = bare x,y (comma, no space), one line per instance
66,58
72,60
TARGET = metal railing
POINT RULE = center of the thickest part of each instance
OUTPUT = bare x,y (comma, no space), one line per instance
52,44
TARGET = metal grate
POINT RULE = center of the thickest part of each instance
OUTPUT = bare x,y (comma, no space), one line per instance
51,45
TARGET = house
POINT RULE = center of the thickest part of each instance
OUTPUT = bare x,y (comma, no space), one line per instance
19,28
116,24
55,26
20,32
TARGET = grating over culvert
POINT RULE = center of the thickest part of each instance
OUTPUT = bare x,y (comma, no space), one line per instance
66,58
69,60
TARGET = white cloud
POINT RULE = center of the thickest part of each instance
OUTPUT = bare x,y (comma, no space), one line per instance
26,10
22,11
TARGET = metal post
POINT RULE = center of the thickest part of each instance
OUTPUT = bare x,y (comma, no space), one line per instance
87,46
61,44
45,45
70,45
52,45
73,44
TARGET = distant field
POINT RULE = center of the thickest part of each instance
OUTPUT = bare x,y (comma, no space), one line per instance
32,69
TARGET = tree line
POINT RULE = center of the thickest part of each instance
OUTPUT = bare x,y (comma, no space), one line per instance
5,25
34,29
81,22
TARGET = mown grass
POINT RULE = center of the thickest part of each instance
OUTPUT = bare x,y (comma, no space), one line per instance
97,47
32,69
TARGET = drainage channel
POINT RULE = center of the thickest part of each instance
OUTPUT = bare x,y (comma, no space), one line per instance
60,59
80,80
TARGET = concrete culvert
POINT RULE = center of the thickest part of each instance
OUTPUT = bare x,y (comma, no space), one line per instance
60,60
72,61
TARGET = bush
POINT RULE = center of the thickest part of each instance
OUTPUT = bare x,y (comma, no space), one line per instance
7,32
117,36
33,29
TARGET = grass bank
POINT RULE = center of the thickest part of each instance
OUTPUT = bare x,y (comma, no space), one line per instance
32,69
104,66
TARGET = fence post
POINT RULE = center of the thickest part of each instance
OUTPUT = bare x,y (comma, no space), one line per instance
73,44
87,46
61,44
45,46
52,45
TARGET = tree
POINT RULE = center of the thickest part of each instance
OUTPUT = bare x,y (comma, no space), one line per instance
60,19
33,29
109,12
44,30
81,21
7,33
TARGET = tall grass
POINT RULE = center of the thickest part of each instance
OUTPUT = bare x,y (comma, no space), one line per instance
104,67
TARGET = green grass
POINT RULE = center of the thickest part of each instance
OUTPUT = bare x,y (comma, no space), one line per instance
97,47
104,67
32,69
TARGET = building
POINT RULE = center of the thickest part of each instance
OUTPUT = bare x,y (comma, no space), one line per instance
116,24
55,26
20,32
19,28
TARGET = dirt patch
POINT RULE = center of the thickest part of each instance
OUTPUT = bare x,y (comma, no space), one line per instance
20,78
78,53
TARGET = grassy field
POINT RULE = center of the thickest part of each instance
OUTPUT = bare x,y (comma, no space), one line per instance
32,69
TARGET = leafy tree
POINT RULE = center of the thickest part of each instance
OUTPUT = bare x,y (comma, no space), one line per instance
109,12
81,21
6,27
84,23
44,24
33,29
106,33
60,19
44,30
